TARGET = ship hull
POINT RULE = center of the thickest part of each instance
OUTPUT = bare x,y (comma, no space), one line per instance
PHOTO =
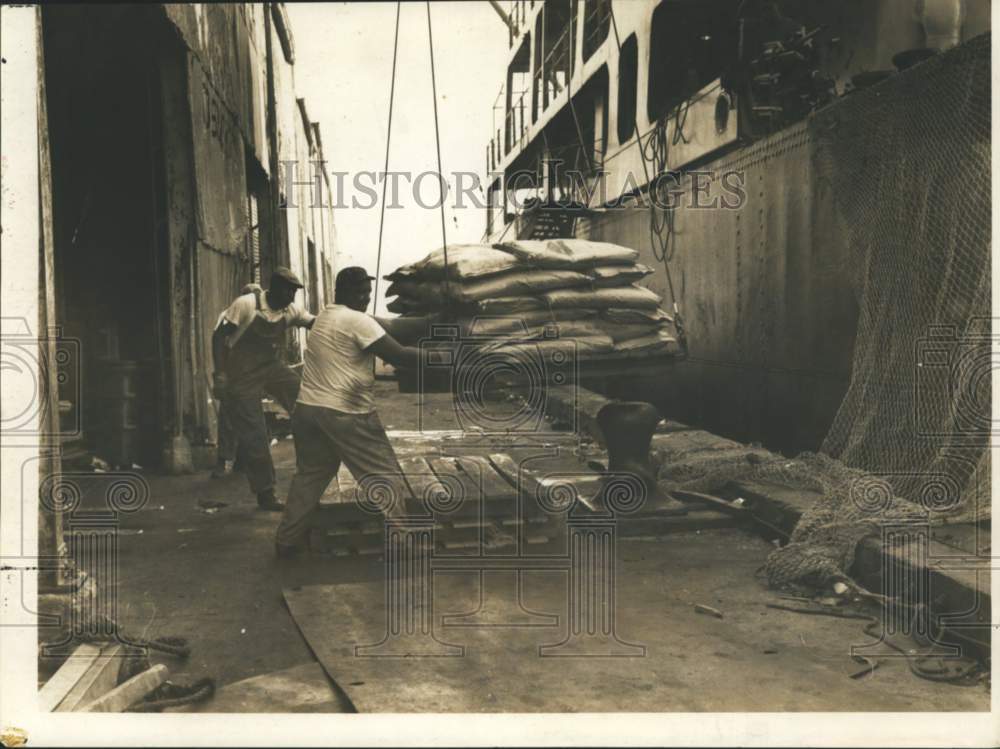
765,294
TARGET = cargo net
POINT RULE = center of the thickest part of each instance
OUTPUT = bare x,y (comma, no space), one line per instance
909,168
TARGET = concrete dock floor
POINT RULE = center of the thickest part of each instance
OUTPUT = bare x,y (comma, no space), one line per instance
213,578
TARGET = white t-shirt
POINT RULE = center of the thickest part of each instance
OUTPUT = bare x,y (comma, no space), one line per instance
338,371
242,312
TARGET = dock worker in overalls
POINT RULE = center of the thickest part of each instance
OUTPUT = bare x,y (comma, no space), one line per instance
245,348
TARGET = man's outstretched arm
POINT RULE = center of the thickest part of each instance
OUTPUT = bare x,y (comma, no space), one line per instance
389,350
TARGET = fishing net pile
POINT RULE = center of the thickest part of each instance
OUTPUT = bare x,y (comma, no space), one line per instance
540,293
908,166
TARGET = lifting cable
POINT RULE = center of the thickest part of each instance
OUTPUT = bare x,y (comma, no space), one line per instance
569,98
437,140
661,250
388,141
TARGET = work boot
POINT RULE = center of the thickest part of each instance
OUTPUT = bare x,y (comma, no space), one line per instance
291,551
628,433
222,469
267,501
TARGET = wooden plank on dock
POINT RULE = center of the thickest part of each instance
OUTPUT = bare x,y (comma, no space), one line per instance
100,678
507,467
448,470
702,520
348,486
55,690
341,515
536,486
495,486
119,699
342,488
577,408
421,479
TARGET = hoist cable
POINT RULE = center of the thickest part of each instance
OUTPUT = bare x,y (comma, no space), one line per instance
572,108
663,253
388,141
437,140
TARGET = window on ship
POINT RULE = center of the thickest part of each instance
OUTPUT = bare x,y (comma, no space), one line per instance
692,42
628,69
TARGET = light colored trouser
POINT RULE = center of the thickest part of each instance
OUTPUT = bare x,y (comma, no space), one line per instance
323,438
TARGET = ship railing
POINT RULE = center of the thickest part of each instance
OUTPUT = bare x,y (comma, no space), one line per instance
586,159
552,76
516,125
518,15
596,24
499,113
550,80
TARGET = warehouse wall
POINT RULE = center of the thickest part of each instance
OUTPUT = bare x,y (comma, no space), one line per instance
162,127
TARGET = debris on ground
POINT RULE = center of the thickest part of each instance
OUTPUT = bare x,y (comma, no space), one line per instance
102,675
170,695
128,693
210,506
703,609
929,665
870,665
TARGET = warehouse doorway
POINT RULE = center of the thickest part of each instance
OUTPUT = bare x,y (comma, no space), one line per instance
111,266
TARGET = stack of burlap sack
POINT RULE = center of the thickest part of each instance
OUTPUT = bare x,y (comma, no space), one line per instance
540,291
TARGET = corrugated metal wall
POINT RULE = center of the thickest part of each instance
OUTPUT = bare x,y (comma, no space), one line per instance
226,48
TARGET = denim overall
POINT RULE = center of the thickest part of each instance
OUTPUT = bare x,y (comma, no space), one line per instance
252,370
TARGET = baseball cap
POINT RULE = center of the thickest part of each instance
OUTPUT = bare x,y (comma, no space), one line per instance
352,276
286,275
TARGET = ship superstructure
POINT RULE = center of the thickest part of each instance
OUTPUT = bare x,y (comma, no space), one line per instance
725,109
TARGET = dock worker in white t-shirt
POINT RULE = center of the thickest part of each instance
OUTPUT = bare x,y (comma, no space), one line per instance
246,351
335,418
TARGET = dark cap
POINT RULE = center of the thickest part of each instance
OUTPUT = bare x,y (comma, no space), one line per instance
284,274
353,275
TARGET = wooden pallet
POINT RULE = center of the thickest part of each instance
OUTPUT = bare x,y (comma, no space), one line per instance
499,509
